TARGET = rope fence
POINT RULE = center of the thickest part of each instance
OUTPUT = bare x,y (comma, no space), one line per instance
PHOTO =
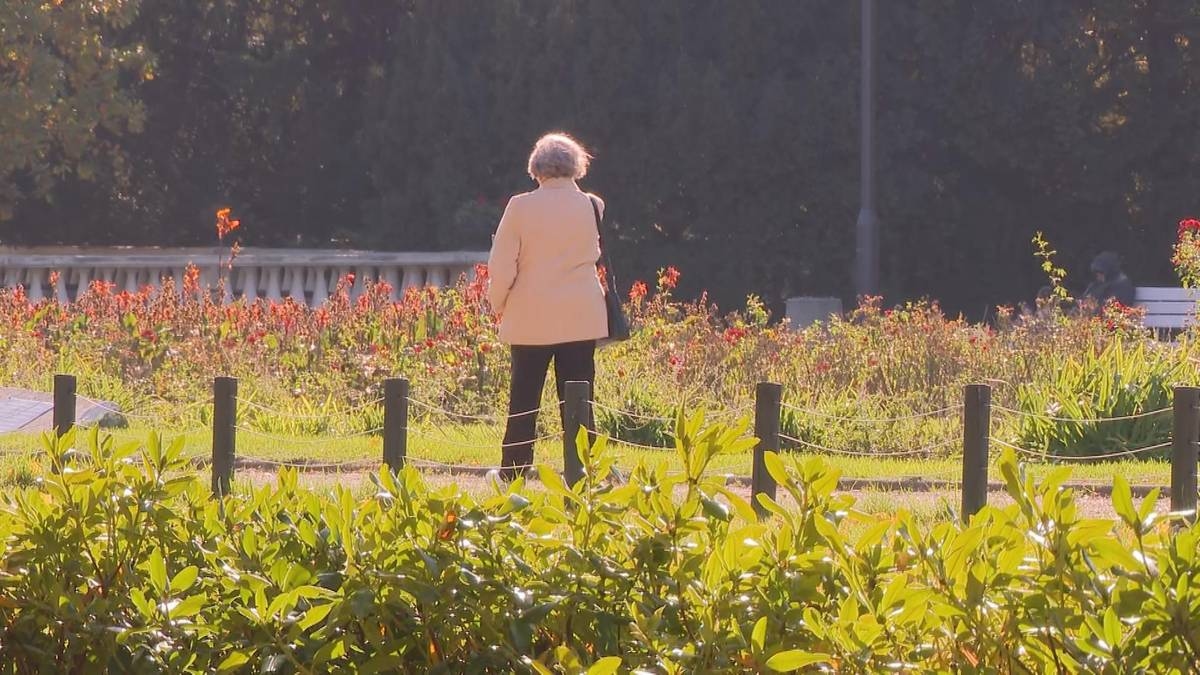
1084,420
854,453
578,407
872,420
1082,458
309,416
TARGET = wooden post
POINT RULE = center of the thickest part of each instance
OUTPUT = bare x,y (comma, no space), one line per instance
977,416
224,433
64,404
395,422
576,413
1184,451
768,399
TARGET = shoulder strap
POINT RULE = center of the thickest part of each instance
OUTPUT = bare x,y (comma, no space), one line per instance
608,268
599,221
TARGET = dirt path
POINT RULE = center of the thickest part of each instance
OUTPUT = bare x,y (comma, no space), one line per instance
880,496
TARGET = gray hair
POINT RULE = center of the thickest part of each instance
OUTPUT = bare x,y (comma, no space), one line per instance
558,156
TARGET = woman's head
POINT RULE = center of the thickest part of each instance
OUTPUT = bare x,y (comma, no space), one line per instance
558,156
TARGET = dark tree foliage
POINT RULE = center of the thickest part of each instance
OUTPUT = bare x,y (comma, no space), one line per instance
725,133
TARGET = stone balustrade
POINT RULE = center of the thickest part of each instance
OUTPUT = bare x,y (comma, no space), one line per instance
306,275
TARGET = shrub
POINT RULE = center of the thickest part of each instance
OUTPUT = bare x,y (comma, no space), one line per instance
118,560
1069,415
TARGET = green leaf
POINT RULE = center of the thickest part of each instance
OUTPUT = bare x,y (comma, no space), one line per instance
794,659
775,467
758,638
233,662
1112,628
189,607
158,571
740,506
554,483
184,580
315,615
605,666
1122,498
715,509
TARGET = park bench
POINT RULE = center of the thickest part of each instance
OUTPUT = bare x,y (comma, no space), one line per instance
1167,308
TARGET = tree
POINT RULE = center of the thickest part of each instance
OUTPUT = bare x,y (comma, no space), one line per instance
65,94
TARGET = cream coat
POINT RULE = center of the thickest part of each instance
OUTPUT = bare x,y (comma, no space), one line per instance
542,268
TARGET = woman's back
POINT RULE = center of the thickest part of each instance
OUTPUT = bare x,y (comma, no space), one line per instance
543,268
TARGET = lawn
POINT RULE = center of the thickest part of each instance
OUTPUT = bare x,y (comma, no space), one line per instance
477,445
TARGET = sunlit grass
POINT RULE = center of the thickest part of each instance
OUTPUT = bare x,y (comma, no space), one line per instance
479,446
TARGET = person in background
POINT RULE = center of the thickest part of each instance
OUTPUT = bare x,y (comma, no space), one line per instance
545,290
1109,282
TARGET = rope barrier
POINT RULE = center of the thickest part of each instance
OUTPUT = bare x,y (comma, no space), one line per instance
434,464
1112,455
1082,420
639,446
476,446
730,413
141,433
349,465
318,416
495,419
871,420
140,416
628,413
851,453
307,441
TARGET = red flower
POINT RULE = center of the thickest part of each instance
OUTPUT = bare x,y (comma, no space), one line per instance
668,278
637,291
1189,225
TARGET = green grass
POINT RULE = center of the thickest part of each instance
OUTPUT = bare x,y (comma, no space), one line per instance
479,445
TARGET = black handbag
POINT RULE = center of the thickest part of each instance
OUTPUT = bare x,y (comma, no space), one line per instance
618,323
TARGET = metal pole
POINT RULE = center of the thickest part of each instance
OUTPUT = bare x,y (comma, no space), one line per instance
977,417
768,398
395,422
866,262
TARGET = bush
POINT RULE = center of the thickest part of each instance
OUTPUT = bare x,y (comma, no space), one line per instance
1071,414
118,560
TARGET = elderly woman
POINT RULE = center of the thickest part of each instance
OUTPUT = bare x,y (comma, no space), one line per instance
544,287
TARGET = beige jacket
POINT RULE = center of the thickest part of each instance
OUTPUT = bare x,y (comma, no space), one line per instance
543,268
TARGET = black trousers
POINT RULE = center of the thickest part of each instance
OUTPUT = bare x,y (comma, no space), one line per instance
573,362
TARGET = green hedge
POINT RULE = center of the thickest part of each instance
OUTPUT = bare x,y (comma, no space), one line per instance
118,560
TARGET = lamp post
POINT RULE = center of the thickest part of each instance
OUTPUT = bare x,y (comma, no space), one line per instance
866,260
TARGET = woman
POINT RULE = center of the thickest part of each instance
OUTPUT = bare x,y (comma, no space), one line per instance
544,288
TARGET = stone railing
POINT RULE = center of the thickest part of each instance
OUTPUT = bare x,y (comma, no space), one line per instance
307,275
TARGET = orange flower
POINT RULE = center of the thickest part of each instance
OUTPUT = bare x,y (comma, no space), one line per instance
446,531
191,279
224,224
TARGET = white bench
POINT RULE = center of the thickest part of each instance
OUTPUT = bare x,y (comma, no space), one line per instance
1166,307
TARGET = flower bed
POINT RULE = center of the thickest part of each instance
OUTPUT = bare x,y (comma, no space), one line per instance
158,349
